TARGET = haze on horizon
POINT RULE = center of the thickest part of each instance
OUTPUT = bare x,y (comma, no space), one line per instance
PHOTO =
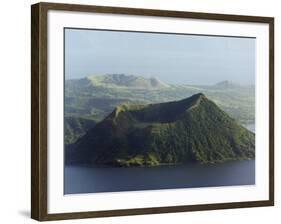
175,59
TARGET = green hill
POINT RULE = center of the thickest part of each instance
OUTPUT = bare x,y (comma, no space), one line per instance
97,96
127,81
75,127
194,129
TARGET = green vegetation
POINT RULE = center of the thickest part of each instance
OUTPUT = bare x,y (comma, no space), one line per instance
75,127
98,96
194,129
138,160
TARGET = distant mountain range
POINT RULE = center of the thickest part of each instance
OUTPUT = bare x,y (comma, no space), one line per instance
228,84
95,97
126,81
193,129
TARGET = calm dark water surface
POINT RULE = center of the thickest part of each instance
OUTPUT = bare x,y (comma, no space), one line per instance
87,179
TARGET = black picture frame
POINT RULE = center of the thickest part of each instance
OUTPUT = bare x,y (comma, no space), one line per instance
39,106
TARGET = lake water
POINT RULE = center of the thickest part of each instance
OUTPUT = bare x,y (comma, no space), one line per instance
87,179
250,127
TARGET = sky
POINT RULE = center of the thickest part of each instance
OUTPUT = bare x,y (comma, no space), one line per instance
175,59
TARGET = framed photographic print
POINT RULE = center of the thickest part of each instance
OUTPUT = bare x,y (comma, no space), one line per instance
141,111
